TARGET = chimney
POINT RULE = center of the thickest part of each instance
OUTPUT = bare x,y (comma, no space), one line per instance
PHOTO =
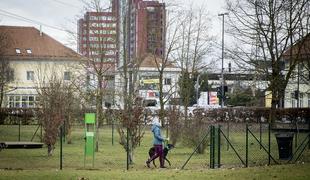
41,30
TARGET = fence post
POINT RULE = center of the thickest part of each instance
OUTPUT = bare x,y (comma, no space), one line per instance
246,145
269,143
61,134
219,146
260,133
64,131
228,129
112,131
127,154
308,133
41,132
297,132
19,124
139,129
212,147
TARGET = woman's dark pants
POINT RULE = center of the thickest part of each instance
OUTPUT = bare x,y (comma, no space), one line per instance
158,152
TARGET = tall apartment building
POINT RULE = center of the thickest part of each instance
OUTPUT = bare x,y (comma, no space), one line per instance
98,40
147,28
98,34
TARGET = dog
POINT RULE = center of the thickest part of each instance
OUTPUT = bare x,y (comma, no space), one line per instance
165,152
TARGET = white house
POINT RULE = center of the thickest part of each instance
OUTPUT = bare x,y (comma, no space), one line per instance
297,92
148,76
148,81
34,57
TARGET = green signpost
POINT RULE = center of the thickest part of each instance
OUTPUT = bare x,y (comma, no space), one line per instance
90,119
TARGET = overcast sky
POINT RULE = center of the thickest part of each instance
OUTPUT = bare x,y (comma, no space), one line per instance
63,14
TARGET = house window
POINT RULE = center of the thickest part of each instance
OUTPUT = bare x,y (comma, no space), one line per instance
30,75
301,97
24,101
10,75
11,101
31,101
28,51
67,76
293,100
167,81
17,101
17,50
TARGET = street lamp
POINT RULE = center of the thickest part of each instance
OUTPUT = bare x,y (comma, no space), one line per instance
222,71
197,88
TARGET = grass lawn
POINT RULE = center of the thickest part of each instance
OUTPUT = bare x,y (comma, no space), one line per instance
300,171
110,161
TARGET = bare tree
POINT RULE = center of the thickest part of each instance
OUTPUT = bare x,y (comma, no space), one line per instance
95,86
193,46
165,61
263,31
132,111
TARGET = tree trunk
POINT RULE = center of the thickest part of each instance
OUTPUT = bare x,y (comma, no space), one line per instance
69,132
161,100
1,95
99,107
274,103
50,149
131,156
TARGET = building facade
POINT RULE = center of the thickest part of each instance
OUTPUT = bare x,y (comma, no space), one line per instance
34,58
147,28
297,92
98,41
98,34
148,77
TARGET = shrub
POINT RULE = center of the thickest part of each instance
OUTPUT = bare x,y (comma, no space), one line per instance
174,119
197,128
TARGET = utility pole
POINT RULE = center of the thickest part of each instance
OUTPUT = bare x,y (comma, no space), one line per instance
197,88
222,71
298,94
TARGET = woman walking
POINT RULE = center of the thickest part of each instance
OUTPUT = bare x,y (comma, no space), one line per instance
157,142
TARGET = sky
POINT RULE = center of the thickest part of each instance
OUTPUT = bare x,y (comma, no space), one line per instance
63,14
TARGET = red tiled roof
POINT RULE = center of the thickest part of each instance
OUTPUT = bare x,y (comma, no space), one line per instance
150,61
41,46
300,50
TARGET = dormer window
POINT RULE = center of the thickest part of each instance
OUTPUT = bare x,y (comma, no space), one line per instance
17,50
28,51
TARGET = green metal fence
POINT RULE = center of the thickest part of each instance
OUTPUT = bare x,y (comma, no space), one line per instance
228,145
254,144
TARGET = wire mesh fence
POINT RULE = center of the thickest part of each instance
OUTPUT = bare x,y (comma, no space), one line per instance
240,145
258,144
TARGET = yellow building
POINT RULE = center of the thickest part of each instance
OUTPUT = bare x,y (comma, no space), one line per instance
34,57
